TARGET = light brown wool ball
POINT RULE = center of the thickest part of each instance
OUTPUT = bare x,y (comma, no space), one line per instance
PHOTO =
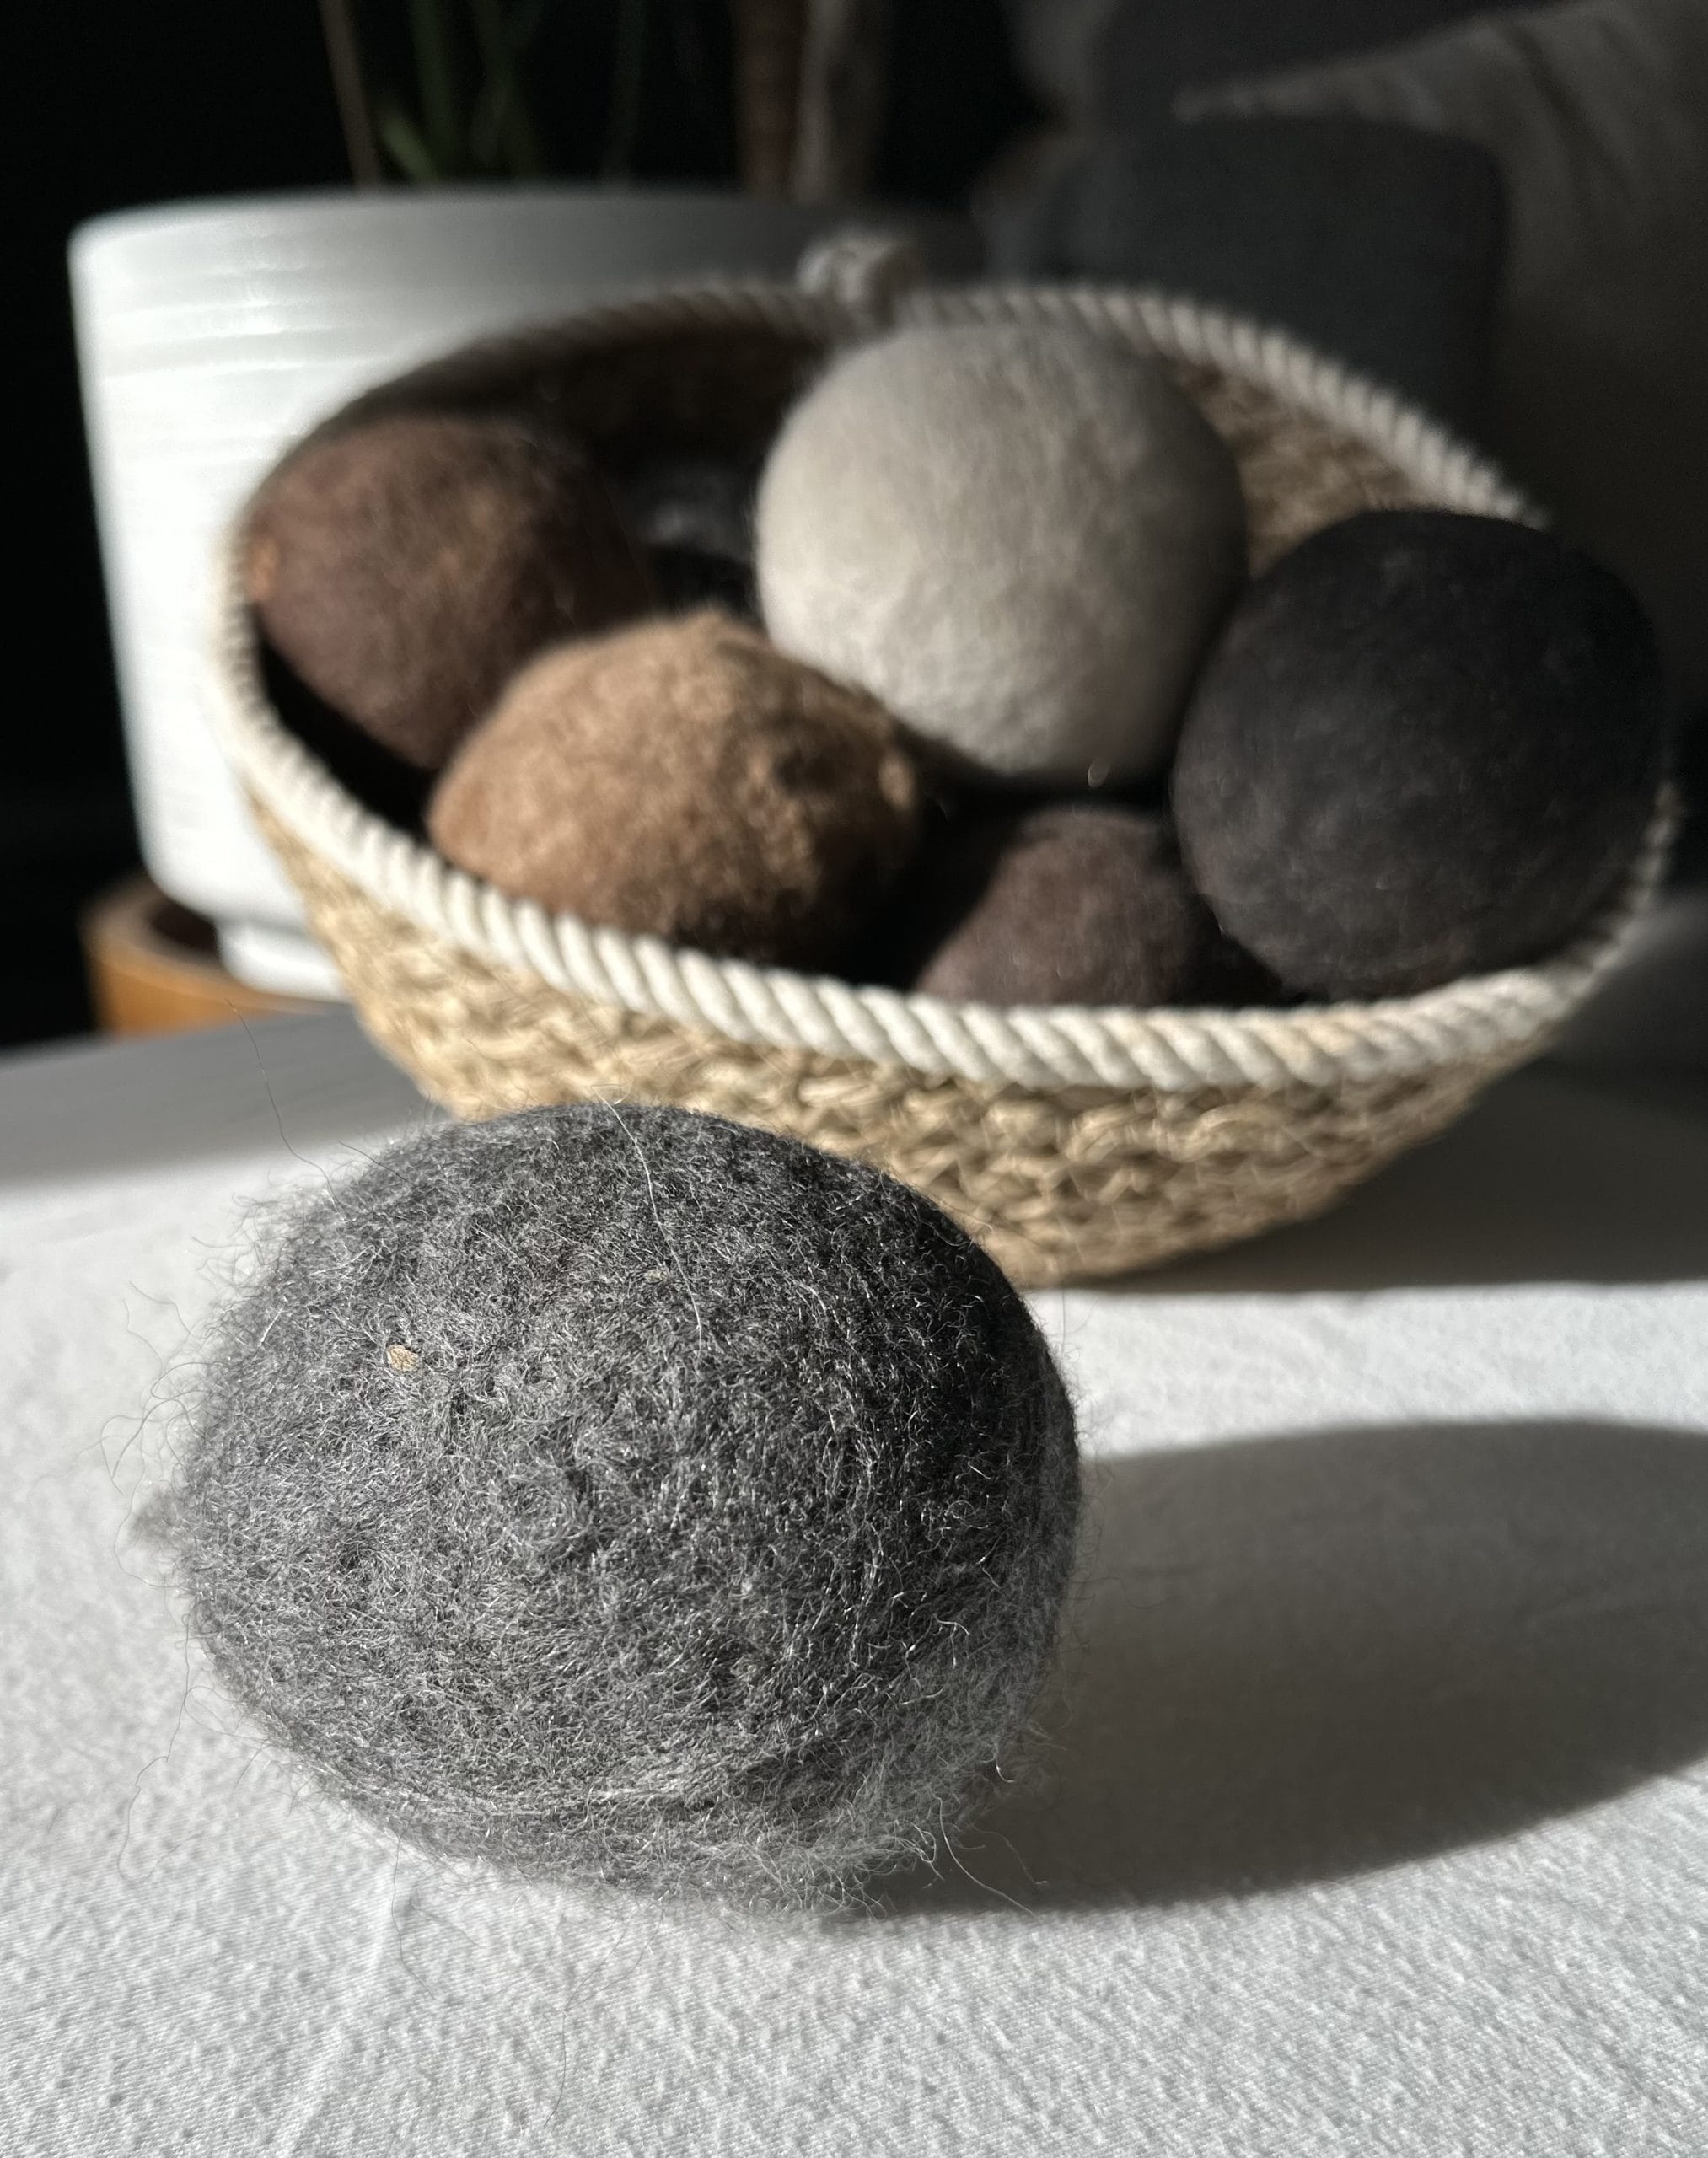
404,568
685,778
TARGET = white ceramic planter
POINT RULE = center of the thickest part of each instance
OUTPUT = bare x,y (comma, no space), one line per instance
211,335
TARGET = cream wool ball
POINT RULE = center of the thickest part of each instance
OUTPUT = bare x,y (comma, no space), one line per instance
1019,539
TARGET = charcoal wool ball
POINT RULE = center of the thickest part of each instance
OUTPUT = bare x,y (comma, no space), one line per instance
1018,538
685,778
694,516
628,1494
1077,903
1427,745
406,568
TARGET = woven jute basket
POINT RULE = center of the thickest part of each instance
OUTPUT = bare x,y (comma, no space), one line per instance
1072,1143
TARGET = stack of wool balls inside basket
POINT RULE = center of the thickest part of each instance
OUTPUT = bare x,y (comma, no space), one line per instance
966,691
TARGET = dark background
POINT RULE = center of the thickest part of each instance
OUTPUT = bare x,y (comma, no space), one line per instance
116,105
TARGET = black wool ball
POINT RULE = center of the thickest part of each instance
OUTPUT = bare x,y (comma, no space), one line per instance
1426,745
694,516
628,1494
1071,903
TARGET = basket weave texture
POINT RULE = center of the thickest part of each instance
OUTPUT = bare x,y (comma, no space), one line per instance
1072,1143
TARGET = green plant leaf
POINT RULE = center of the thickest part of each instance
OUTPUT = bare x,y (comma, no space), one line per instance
502,132
436,72
628,88
405,143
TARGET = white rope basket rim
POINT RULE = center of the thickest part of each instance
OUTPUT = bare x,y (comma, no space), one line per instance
1481,1018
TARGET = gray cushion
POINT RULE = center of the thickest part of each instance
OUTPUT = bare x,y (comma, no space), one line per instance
1379,243
1113,62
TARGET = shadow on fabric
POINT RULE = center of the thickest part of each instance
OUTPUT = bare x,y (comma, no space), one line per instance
1553,1177
1295,1659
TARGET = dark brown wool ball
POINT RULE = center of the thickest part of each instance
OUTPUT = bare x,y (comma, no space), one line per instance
685,779
1078,902
1426,745
407,568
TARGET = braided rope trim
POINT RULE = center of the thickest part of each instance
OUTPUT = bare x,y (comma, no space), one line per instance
1492,1017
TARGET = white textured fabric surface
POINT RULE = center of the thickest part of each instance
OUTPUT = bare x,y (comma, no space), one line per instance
1377,1818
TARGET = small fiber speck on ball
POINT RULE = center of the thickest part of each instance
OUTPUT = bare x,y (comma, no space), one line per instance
1019,537
1076,903
687,780
630,1494
406,568
1427,745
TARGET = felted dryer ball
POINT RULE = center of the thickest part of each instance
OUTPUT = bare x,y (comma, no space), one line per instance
693,516
1020,538
404,568
1077,903
1428,745
685,779
629,1494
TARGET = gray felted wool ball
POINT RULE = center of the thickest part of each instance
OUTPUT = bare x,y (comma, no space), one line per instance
1428,745
629,1494
404,568
1074,903
1020,538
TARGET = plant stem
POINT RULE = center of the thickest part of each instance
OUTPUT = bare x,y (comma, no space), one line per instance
344,62
403,139
841,111
628,85
505,106
436,74
769,36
